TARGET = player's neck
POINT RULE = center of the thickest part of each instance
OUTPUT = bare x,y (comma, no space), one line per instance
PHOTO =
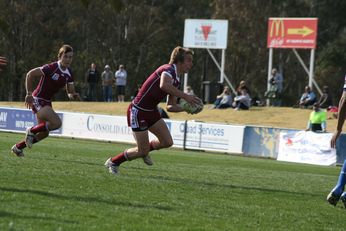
179,69
62,67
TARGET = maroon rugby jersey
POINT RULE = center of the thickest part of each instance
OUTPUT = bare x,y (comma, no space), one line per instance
150,94
52,80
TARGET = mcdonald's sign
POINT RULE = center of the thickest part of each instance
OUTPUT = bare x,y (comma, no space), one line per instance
277,28
292,33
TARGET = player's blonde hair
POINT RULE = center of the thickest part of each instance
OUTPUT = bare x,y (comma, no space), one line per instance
64,49
178,54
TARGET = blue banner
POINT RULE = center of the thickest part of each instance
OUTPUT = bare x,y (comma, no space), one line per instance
20,119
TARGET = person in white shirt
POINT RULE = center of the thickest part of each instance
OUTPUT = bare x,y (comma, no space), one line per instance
242,101
120,82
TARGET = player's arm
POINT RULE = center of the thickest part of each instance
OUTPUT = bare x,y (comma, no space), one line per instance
71,92
30,78
341,119
29,85
172,105
166,84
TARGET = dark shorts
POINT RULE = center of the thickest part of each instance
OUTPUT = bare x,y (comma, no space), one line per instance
40,103
140,120
121,90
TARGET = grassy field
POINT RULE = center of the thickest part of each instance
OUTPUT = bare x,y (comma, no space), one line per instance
61,184
280,117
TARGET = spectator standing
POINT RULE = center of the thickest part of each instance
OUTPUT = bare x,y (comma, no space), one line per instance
276,83
317,120
92,78
242,101
224,100
107,84
326,100
277,79
308,98
272,93
120,82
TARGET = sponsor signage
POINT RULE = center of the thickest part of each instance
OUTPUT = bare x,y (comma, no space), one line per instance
98,127
206,136
306,147
199,135
203,33
292,33
20,119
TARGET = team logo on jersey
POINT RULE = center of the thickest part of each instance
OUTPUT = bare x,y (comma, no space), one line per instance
55,76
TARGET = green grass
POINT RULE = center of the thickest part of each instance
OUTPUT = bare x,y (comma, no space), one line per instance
61,184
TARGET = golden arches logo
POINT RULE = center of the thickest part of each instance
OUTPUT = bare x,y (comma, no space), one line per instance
277,25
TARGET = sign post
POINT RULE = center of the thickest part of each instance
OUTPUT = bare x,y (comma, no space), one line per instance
207,34
292,33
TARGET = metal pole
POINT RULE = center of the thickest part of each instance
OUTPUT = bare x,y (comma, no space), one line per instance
186,77
270,67
222,66
311,72
224,75
306,70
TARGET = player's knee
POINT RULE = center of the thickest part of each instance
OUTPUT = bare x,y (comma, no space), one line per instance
42,135
55,125
167,143
45,134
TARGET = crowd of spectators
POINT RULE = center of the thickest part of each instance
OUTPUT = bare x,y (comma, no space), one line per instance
107,81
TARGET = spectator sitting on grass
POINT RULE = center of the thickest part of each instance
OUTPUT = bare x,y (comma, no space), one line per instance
224,100
242,85
307,99
326,100
242,101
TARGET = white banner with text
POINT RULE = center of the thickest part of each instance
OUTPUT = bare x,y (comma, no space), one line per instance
188,134
306,147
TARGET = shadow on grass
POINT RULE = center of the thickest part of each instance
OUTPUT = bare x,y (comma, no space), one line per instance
14,215
86,199
212,184
56,159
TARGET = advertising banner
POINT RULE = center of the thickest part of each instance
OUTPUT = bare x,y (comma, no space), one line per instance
292,33
262,141
207,136
306,147
98,127
189,134
19,119
203,33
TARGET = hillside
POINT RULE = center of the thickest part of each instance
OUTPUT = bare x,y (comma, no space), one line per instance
281,117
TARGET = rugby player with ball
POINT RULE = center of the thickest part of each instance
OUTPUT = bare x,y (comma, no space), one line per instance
143,115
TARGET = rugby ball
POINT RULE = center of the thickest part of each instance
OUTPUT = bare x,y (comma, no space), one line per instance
189,108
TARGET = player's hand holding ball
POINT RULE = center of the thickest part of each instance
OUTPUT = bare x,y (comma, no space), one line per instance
193,107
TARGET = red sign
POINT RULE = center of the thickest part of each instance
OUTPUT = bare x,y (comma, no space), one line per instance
292,33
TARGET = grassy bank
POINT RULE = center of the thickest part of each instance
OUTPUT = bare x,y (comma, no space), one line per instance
281,117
